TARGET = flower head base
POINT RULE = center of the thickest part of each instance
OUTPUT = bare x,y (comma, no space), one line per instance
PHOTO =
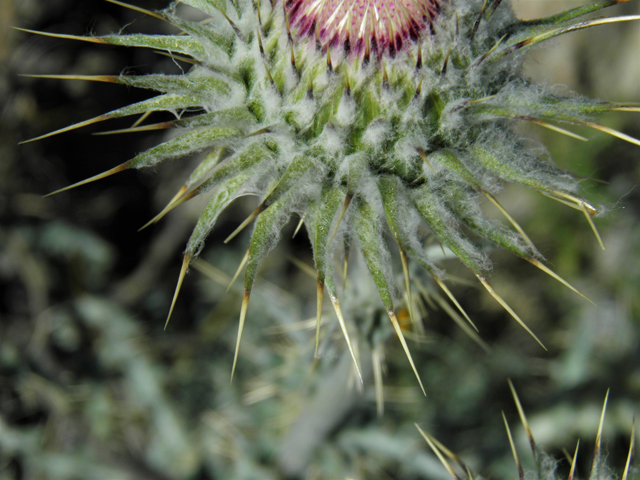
362,152
363,26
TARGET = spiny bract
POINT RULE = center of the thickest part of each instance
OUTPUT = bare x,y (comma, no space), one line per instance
362,117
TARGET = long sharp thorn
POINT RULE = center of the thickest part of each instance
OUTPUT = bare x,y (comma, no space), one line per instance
243,316
243,263
504,305
625,475
478,19
396,327
304,267
183,271
320,293
89,78
494,200
513,449
108,173
525,424
91,121
451,455
446,290
312,369
178,57
443,460
461,322
345,205
553,274
142,118
596,452
247,221
343,326
66,37
178,199
137,9
626,108
555,128
591,224
345,266
614,133
135,129
376,361
573,462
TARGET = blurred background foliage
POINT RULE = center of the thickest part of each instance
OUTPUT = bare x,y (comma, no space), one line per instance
91,387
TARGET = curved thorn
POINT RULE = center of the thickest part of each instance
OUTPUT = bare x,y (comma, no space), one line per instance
91,121
173,203
513,449
509,310
243,263
243,316
320,293
396,327
108,173
515,224
446,290
573,462
343,326
553,274
183,271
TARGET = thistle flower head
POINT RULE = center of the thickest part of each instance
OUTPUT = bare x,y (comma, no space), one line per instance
378,123
363,25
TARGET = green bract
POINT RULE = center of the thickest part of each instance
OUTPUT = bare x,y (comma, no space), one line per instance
358,138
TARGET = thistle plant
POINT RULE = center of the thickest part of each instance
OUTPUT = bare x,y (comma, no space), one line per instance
380,125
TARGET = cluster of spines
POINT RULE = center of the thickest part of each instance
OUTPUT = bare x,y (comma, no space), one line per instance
543,470
241,142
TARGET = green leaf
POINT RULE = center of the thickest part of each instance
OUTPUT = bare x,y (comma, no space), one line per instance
227,192
240,161
331,199
188,143
444,227
372,245
197,82
171,43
